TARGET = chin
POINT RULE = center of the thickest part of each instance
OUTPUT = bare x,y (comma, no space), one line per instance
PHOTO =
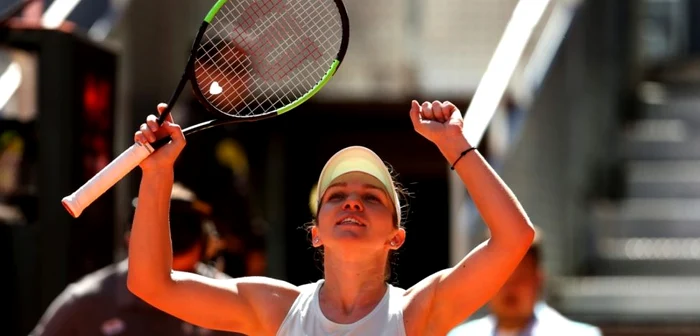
352,244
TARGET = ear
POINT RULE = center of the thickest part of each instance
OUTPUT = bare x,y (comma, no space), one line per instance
315,237
398,239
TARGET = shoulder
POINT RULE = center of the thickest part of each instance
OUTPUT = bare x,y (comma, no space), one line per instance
397,295
96,283
78,301
210,271
265,283
396,290
305,292
298,309
481,326
271,299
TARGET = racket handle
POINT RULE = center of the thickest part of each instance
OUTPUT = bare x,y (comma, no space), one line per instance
107,177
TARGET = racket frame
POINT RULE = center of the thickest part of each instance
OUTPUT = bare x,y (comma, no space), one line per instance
80,199
189,75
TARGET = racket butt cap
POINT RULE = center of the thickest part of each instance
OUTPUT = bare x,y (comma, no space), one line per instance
70,205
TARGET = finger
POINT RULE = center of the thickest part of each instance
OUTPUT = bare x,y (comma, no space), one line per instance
161,108
175,132
437,111
147,133
451,110
427,111
152,123
415,113
140,138
448,109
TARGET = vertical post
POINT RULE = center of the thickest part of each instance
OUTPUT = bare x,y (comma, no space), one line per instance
150,64
274,208
459,219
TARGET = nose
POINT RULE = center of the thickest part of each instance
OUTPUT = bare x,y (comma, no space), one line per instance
353,203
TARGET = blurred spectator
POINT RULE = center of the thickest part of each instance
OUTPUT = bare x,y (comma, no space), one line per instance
101,304
518,309
221,154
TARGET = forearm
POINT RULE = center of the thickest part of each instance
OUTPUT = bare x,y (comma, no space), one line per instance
498,206
150,249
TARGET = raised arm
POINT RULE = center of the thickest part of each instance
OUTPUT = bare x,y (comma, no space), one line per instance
455,293
254,305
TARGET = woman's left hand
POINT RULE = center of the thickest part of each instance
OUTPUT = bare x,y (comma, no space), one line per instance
439,122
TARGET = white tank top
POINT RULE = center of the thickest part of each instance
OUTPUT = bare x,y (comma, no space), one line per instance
306,319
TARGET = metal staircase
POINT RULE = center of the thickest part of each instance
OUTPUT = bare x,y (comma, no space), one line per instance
647,244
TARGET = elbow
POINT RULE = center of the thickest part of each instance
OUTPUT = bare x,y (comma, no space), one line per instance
135,286
145,289
529,234
521,235
525,235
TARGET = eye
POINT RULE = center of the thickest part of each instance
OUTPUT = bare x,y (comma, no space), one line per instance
371,198
336,196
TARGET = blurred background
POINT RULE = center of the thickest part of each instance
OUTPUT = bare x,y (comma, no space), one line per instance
596,133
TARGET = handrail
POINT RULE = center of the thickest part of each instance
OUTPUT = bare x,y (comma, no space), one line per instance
549,42
526,15
489,94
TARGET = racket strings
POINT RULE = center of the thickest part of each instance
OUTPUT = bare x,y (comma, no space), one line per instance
298,76
283,47
316,30
233,93
264,55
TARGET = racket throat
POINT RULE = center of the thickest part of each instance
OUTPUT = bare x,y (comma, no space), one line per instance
189,70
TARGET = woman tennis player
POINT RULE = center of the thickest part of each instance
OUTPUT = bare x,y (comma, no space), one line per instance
358,223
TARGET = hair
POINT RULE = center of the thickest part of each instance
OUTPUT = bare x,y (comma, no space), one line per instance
392,259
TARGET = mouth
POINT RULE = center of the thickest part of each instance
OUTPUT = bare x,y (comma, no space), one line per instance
350,221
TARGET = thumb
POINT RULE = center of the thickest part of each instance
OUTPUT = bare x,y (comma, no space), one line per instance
415,113
174,131
456,115
161,108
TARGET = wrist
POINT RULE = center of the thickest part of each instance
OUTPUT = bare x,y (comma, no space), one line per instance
159,173
451,149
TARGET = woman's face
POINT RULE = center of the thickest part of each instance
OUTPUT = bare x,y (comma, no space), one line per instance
357,215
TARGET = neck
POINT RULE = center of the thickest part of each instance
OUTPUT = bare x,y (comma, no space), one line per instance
352,285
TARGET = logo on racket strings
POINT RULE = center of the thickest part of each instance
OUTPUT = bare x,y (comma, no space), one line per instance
285,33
215,88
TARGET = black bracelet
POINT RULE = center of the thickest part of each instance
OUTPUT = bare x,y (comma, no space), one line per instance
461,155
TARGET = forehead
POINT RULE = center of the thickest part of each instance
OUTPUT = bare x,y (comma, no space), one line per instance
355,179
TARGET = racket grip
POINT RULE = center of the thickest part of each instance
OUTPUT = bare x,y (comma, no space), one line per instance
106,178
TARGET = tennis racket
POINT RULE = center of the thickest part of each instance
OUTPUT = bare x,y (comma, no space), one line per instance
250,60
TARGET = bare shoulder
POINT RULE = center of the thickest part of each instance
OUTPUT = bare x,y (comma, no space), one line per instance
418,303
271,298
280,287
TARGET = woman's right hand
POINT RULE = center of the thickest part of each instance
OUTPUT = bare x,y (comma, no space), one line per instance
150,131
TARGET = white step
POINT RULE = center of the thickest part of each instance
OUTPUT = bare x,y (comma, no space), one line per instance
663,178
643,298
